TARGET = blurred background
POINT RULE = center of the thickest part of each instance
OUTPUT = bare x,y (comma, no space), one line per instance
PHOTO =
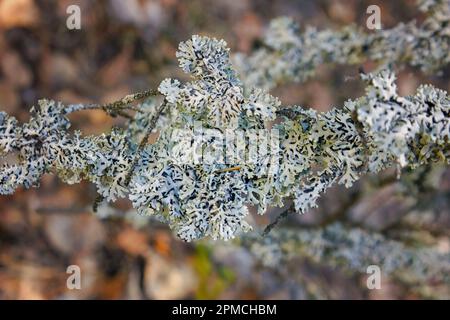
127,46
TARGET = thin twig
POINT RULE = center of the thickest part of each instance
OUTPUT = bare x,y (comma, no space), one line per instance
125,101
364,142
114,108
237,168
288,112
277,220
117,108
98,200
149,129
123,114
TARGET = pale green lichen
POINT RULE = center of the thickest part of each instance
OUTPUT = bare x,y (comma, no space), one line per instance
184,179
290,54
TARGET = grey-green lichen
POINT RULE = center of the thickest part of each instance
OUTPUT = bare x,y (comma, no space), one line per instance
184,179
225,143
353,249
293,55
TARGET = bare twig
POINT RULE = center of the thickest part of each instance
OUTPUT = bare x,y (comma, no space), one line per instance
283,215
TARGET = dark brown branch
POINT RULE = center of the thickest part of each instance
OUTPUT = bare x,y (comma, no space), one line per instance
283,215
98,200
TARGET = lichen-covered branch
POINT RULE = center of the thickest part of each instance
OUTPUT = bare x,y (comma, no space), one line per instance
353,249
218,154
290,55
116,107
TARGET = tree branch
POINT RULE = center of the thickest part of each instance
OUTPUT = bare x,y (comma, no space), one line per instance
149,129
115,108
283,215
